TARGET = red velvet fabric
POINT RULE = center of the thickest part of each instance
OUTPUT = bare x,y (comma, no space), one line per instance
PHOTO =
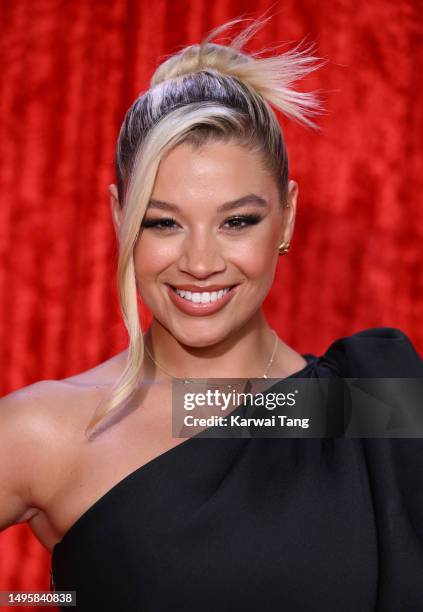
71,68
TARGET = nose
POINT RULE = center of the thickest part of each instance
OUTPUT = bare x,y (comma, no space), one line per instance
201,256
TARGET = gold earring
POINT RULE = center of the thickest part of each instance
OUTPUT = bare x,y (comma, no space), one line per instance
284,248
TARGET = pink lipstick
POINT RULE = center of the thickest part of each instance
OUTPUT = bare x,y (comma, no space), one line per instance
198,308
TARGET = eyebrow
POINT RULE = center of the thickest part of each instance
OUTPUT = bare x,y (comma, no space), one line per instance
250,198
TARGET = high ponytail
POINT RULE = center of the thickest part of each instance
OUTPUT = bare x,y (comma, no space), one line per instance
271,77
206,92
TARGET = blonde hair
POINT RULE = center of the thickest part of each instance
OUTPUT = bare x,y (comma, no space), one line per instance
204,92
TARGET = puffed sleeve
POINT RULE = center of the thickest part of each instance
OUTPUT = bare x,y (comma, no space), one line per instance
395,469
376,352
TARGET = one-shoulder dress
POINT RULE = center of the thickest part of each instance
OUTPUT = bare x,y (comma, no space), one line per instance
263,524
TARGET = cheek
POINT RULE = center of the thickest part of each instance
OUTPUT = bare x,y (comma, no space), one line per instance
149,260
256,260
257,253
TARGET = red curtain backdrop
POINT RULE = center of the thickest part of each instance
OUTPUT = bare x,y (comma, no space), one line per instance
71,68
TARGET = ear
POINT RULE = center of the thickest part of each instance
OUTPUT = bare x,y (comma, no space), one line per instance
115,207
289,212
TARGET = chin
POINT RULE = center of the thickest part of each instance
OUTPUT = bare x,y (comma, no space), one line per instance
199,336
199,340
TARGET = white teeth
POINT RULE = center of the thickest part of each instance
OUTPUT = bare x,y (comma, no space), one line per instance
203,297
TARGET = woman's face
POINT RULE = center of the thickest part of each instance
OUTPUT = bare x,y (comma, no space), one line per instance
214,222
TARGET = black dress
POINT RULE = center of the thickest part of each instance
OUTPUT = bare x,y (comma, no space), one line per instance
263,525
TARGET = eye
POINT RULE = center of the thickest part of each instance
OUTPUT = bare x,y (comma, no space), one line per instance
161,224
243,221
235,223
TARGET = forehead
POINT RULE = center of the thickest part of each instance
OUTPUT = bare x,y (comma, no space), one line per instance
211,175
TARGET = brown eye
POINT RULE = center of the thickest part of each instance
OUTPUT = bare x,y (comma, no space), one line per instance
166,223
238,223
235,223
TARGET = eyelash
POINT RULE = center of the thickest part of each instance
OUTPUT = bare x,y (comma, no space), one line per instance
248,219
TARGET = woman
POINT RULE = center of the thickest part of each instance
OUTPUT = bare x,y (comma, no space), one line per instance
140,520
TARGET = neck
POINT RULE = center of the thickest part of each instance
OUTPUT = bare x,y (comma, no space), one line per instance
245,353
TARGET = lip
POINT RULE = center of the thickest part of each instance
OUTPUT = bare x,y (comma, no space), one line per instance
200,310
198,288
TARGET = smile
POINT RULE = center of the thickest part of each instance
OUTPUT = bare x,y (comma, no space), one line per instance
203,297
201,302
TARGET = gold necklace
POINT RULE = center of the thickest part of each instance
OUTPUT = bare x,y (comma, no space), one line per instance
188,380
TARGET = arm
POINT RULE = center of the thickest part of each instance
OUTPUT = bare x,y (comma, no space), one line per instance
21,432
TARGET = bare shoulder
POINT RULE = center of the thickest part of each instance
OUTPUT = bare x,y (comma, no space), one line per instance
49,414
33,413
41,430
26,413
28,433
